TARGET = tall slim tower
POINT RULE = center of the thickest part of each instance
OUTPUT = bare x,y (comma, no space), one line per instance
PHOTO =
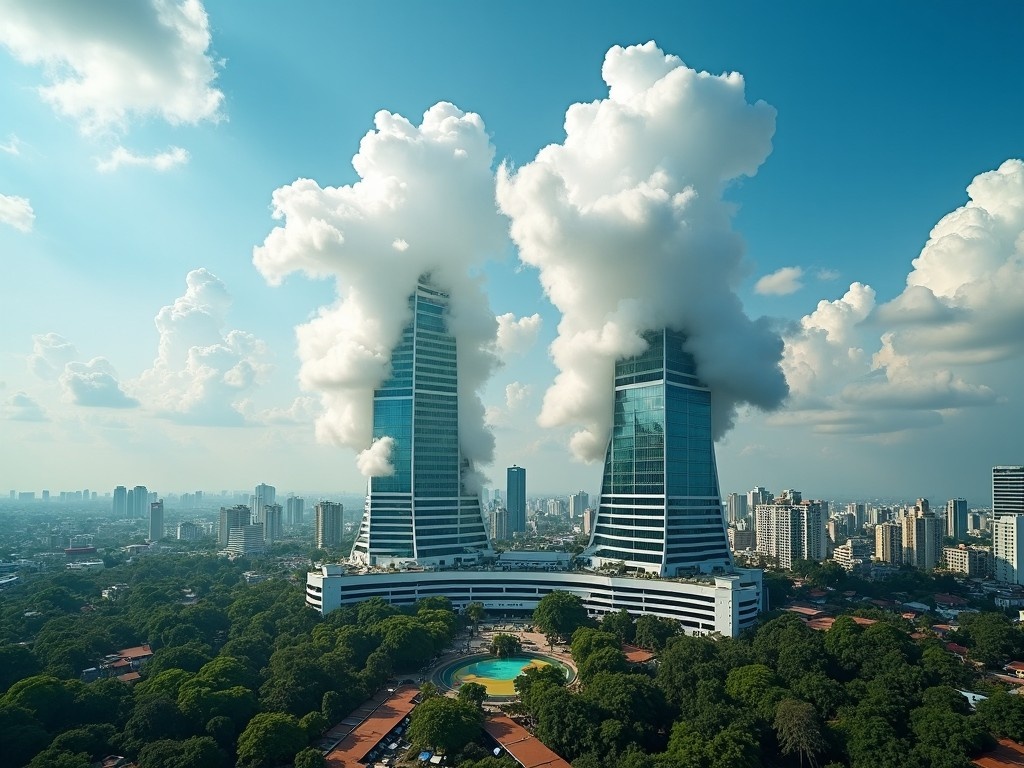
424,510
956,518
120,502
660,509
578,502
140,495
156,520
328,523
264,494
515,503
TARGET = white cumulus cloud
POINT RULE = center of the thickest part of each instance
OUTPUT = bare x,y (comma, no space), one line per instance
781,282
959,313
22,407
94,385
626,223
423,205
17,211
50,353
202,372
108,61
517,335
375,461
161,161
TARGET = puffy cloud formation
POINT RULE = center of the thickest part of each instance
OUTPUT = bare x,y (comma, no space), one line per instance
781,282
50,353
17,211
109,60
94,385
626,222
375,461
202,373
423,204
961,309
515,394
516,335
161,161
22,407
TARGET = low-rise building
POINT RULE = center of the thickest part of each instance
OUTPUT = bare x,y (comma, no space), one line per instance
975,561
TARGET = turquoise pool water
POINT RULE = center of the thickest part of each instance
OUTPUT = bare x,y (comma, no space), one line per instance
496,675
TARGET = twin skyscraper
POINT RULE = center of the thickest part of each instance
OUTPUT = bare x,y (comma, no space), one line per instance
660,510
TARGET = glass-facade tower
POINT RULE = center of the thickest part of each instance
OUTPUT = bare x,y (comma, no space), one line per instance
423,511
515,502
660,509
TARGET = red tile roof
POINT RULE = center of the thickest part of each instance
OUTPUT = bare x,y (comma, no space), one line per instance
1007,754
522,744
636,655
351,750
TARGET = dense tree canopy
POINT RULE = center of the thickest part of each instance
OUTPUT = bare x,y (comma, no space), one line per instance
559,614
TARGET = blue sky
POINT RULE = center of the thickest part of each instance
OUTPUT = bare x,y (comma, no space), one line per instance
884,116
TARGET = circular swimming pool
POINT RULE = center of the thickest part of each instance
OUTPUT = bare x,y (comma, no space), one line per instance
495,674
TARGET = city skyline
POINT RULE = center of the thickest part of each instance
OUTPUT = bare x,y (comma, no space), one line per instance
146,339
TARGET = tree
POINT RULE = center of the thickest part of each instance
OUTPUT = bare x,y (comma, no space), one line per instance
587,640
310,757
537,677
473,693
444,724
476,613
990,636
756,686
559,614
620,624
565,723
1003,714
798,730
16,663
46,697
270,738
603,660
654,632
21,734
504,645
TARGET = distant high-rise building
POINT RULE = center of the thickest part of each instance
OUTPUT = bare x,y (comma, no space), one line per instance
273,529
188,531
425,509
1008,490
791,529
46,496
588,520
660,509
1008,548
140,497
264,494
578,502
735,508
956,518
515,498
499,523
120,502
295,510
757,496
922,537
231,518
889,543
555,507
156,520
329,524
